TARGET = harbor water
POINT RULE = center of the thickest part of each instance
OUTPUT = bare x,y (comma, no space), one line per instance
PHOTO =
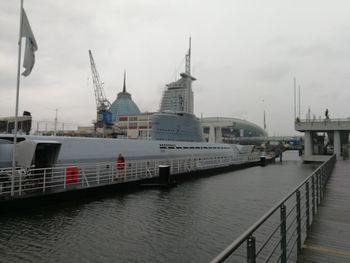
192,222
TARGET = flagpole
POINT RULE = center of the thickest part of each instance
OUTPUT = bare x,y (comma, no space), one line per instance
299,100
17,99
295,105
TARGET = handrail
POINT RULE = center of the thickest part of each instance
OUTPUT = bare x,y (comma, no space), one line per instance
249,233
323,120
63,177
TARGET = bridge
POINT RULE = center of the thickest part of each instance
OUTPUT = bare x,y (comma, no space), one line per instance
315,146
311,224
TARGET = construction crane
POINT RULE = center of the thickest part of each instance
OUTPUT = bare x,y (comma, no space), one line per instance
104,116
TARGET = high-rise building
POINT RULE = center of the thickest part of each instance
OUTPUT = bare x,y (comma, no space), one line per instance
178,95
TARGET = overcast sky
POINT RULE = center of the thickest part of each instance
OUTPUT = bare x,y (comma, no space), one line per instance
244,56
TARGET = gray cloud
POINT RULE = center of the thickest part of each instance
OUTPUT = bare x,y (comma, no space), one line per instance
272,72
243,53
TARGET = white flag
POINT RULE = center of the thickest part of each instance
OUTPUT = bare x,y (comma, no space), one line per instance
31,46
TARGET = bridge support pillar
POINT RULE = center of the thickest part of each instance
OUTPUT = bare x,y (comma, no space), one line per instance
336,143
218,133
308,143
212,135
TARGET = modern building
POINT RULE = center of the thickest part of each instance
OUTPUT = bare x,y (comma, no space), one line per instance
221,129
123,104
135,126
7,124
178,99
178,95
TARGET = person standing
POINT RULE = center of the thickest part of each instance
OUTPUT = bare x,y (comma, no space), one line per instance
326,114
120,165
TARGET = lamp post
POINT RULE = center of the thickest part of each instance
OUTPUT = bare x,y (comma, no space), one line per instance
55,130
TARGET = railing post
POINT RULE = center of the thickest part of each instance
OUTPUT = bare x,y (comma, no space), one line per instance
44,181
313,196
51,183
20,184
13,183
329,169
321,183
83,176
136,173
298,224
317,191
283,234
251,249
64,179
98,174
112,172
307,206
319,187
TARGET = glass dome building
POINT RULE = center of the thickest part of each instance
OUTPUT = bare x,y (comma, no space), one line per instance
226,129
123,104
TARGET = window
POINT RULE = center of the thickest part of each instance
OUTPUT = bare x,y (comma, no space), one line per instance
123,118
132,125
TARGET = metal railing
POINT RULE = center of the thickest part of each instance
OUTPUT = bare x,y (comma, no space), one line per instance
279,234
323,120
32,181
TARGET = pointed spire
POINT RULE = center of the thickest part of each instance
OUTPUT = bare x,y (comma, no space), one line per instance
124,86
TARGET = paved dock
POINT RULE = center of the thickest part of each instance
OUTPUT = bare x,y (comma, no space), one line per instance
329,236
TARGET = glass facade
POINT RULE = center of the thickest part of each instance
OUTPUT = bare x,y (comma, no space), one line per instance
226,129
178,95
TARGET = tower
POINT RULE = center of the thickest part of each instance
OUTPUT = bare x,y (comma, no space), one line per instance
123,104
178,95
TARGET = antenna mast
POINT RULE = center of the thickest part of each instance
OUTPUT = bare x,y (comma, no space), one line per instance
188,60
